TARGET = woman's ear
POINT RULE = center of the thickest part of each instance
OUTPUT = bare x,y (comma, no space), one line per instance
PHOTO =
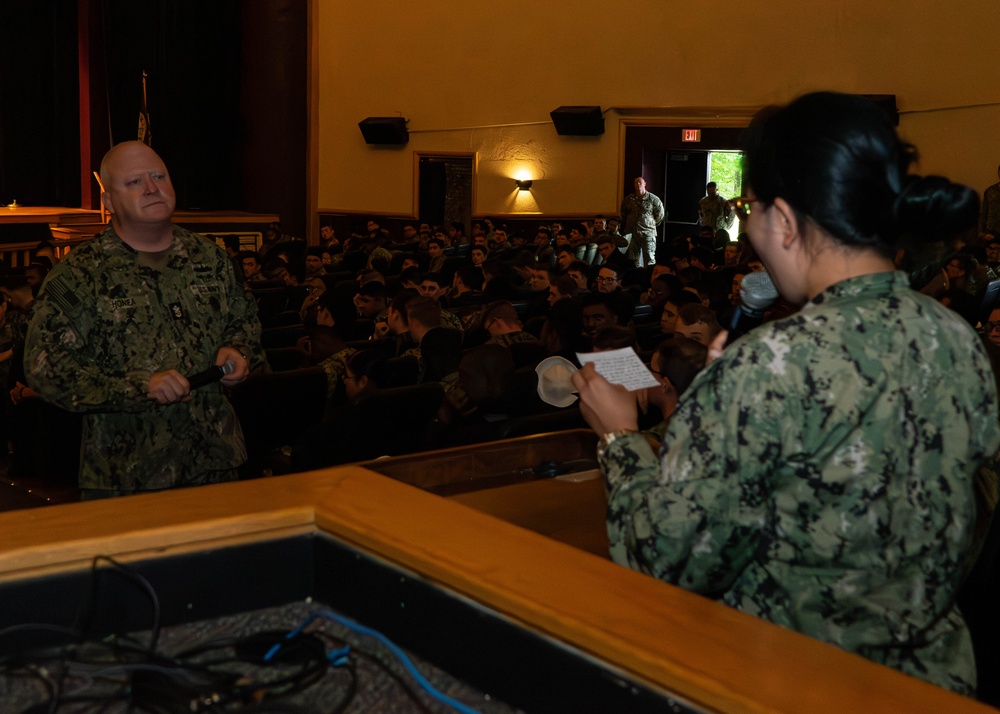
786,222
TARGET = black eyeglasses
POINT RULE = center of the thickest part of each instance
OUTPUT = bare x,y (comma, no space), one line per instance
990,326
741,206
606,280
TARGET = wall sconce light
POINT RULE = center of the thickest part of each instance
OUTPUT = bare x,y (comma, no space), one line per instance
523,184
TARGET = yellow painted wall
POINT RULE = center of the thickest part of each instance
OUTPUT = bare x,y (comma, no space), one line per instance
456,70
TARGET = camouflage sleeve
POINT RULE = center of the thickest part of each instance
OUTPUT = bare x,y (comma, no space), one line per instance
59,360
335,367
693,516
658,214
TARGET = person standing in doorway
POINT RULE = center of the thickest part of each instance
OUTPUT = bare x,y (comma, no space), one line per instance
642,212
714,211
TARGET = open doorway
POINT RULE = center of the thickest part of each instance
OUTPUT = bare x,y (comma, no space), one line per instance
725,168
687,173
444,186
677,170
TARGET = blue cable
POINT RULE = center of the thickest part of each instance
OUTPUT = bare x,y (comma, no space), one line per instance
340,656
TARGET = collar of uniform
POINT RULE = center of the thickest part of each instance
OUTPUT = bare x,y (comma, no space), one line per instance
873,285
111,239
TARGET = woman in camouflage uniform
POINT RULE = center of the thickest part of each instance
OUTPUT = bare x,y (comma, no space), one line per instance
819,473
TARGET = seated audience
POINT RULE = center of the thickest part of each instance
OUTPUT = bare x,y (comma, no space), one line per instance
465,287
562,287
697,322
579,271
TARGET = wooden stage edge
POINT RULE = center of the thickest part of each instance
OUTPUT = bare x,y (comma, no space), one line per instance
701,651
61,216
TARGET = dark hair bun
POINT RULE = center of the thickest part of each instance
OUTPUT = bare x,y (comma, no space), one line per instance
837,159
932,208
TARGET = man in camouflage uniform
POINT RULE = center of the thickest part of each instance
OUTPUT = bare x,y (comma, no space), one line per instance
642,212
713,210
121,321
819,475
500,320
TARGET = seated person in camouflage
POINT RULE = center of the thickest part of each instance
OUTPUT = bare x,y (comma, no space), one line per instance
123,319
465,287
565,257
543,246
598,310
251,267
820,472
392,331
580,272
422,315
314,262
370,300
435,250
501,321
697,322
434,286
562,287
675,363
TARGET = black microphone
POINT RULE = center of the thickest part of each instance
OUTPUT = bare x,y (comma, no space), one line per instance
212,374
757,292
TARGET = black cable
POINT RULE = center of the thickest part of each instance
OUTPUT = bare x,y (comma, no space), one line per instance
403,682
352,689
50,687
277,708
212,676
161,689
137,577
84,618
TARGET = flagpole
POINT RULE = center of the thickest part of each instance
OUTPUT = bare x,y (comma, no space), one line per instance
145,132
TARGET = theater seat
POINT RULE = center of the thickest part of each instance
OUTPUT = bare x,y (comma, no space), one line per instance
402,371
275,409
643,314
388,422
285,359
527,354
562,420
395,421
284,336
281,319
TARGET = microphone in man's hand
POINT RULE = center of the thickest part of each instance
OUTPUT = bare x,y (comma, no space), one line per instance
757,293
212,374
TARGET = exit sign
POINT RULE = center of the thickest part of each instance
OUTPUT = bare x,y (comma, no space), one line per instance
690,134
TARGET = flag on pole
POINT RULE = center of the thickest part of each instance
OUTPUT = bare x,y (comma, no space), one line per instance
145,134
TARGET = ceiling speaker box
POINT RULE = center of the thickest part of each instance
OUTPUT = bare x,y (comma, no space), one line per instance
578,121
384,130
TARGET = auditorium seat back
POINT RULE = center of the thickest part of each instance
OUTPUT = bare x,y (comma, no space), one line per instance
274,409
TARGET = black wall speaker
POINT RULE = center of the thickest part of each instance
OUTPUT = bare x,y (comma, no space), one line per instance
578,121
384,130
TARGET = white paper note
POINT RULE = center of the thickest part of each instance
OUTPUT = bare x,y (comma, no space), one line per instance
621,367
